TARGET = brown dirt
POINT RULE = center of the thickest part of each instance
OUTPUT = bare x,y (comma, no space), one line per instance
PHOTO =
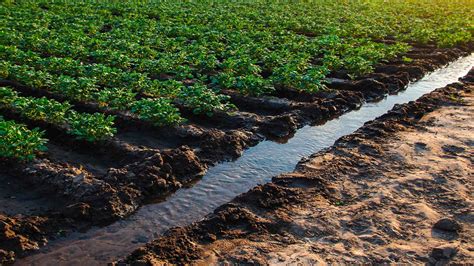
107,181
19,197
398,190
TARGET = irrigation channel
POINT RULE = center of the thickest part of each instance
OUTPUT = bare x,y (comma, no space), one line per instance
227,180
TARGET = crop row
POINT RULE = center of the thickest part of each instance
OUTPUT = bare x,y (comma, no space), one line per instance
155,59
118,87
228,51
17,141
90,127
223,57
158,111
170,28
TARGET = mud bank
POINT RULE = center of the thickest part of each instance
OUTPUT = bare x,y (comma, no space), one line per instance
398,190
97,195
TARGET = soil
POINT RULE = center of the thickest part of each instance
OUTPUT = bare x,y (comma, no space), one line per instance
103,182
398,190
18,197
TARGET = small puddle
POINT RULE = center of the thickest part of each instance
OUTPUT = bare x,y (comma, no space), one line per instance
227,180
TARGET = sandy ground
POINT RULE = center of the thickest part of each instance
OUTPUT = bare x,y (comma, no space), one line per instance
425,174
399,190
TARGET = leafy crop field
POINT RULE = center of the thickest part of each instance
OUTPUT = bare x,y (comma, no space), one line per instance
108,105
153,59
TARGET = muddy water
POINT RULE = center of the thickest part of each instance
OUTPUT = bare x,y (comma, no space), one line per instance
224,181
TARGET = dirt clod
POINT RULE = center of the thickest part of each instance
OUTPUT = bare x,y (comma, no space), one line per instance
444,252
447,224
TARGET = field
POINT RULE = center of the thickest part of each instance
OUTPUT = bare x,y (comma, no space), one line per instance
106,106
375,196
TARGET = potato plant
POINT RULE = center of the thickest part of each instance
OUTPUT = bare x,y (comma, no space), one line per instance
90,127
19,142
160,111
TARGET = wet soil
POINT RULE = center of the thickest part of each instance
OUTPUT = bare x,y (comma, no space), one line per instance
19,197
98,191
398,190
98,165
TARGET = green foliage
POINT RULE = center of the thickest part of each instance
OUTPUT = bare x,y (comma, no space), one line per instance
159,111
115,98
309,79
253,85
7,96
147,58
238,42
168,88
314,79
41,109
203,100
17,141
81,89
3,70
91,127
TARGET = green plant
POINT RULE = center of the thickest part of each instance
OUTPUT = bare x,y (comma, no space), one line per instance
17,141
91,127
253,85
7,96
159,111
249,47
407,59
42,109
202,100
115,98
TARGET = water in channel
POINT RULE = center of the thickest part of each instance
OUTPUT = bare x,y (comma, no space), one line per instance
227,180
